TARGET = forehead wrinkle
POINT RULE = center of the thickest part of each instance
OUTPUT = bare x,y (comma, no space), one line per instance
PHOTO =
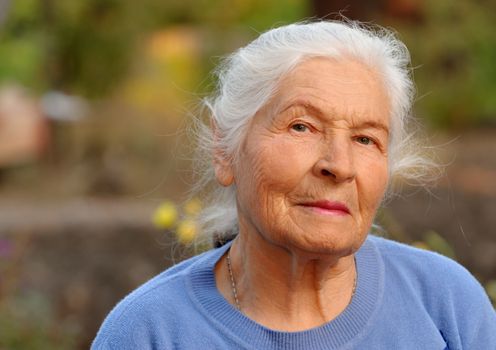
301,81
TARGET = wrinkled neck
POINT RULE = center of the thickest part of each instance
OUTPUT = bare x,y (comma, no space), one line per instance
284,289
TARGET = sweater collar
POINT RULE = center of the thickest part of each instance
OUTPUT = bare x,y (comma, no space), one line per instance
345,329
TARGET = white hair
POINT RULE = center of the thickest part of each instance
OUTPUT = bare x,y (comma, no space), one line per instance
248,78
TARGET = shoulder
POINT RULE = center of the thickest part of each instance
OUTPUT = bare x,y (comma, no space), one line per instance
419,263
428,271
150,311
447,291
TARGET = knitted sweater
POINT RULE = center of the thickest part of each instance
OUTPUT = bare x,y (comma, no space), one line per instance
406,298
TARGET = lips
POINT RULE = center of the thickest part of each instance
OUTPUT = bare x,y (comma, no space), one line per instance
328,207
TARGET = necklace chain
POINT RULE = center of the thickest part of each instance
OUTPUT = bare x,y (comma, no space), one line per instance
233,283
235,291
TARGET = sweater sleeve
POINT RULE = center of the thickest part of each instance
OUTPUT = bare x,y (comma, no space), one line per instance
469,319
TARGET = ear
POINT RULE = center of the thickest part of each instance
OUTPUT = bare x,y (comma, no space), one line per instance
223,170
222,162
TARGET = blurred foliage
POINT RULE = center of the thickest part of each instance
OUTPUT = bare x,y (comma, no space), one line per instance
87,46
453,52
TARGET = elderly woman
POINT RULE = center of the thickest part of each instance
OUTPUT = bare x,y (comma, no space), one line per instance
308,127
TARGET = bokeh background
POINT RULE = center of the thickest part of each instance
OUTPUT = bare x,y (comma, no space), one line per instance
95,101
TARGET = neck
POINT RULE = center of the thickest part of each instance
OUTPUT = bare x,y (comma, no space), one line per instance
284,289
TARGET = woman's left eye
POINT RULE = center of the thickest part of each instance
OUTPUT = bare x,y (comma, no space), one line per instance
364,140
299,127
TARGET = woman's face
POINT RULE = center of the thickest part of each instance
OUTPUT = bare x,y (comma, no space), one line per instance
312,169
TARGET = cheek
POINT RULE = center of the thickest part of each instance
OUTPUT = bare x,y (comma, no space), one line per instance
277,167
372,178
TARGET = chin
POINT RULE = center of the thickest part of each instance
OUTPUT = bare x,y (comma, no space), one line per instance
329,243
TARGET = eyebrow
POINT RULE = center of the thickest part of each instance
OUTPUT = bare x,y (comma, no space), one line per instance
371,124
374,125
305,105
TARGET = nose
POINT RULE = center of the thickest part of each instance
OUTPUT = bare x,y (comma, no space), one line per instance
336,161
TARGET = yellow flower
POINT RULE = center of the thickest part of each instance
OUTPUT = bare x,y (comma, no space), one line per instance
165,215
186,231
193,207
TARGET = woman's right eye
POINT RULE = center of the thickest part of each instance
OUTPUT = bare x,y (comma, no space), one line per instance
299,127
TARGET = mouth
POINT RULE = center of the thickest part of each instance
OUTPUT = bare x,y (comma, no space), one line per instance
328,208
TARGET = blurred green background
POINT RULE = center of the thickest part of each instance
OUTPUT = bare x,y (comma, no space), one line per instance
95,102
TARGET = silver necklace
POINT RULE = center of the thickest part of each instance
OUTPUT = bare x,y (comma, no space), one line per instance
235,291
354,284
233,283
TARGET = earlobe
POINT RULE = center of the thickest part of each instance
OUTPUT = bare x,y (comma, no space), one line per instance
223,173
223,168
222,163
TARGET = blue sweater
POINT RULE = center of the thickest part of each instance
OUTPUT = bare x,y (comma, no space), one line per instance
406,298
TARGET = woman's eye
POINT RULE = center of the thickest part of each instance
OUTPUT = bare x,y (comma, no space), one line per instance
364,140
299,127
